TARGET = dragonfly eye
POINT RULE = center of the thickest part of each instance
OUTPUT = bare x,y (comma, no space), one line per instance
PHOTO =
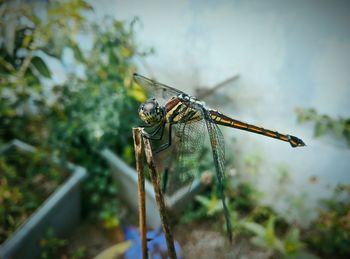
151,112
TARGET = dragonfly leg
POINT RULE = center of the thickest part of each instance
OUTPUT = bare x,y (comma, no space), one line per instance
145,126
167,144
153,135
165,180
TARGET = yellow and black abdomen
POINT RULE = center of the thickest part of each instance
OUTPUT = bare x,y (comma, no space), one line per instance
222,119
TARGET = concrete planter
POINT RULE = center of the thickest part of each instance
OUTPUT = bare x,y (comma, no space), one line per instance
127,179
61,211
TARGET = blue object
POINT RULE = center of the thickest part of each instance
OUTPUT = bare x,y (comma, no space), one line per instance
156,244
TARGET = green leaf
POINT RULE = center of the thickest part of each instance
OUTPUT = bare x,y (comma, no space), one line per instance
10,33
115,250
338,128
258,241
255,228
203,200
40,65
292,243
320,129
78,55
270,228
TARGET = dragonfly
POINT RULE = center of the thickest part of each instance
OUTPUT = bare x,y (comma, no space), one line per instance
170,108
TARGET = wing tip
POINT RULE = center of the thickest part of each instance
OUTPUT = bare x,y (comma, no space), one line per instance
140,78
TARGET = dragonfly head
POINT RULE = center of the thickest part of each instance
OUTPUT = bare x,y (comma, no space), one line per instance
151,112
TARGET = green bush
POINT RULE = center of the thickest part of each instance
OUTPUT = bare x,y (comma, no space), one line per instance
26,38
26,181
51,245
330,233
89,111
325,124
265,236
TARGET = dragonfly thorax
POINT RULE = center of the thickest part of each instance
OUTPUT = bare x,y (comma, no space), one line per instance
151,112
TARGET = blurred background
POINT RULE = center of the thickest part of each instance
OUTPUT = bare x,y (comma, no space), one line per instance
66,88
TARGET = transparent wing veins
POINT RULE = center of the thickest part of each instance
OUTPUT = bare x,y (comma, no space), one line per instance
218,149
160,91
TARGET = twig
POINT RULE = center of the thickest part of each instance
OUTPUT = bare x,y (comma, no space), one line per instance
159,199
213,89
136,132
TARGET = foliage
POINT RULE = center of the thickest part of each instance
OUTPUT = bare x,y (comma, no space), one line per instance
26,180
96,113
242,199
116,251
87,112
193,212
325,124
51,246
212,205
207,205
248,218
265,236
79,253
243,196
26,39
200,164
330,233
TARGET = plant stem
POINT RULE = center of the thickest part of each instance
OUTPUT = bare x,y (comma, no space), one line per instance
136,132
159,199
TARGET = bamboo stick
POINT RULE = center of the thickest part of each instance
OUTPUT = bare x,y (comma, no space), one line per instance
136,132
159,199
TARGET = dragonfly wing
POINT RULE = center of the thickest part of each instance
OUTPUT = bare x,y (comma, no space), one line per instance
154,89
187,141
191,141
218,149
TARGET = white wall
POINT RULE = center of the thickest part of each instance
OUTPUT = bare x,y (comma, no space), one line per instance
289,54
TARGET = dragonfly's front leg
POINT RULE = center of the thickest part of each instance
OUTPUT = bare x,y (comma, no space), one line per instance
153,135
165,180
167,144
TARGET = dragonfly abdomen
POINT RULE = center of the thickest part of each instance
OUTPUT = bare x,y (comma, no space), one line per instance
224,120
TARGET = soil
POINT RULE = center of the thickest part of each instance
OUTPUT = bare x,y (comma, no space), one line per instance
197,240
93,238
203,240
